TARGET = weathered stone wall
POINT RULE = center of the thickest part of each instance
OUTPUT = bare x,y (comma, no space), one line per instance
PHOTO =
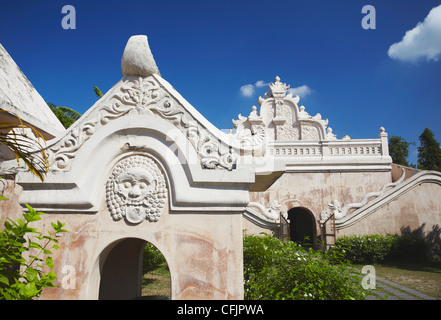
418,210
9,208
315,190
203,251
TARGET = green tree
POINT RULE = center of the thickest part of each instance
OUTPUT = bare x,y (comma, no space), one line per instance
67,116
429,152
399,150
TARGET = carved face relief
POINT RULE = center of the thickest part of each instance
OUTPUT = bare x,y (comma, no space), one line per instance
136,190
135,184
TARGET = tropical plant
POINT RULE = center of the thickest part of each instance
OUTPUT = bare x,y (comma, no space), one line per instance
21,246
17,136
98,92
22,279
67,116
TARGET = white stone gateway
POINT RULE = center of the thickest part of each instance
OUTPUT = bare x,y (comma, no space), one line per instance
140,165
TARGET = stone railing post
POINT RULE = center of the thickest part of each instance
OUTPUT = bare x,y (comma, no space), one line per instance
384,142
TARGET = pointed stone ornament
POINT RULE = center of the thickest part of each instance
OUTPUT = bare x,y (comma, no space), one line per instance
137,59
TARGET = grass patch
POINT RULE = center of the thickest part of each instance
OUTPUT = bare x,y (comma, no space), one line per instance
422,277
157,282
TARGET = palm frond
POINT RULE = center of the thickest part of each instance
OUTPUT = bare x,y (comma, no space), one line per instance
31,151
71,113
98,92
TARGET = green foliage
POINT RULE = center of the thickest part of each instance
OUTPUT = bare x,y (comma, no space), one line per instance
399,150
21,278
67,116
98,92
372,249
152,258
366,249
278,270
429,152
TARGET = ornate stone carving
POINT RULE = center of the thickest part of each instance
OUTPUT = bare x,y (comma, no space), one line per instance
278,89
281,118
143,95
330,135
310,133
272,212
250,131
136,190
340,212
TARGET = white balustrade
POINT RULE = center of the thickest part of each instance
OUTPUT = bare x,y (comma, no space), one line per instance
341,148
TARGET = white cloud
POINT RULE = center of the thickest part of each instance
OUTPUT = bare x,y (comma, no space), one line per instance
247,90
423,41
261,83
301,91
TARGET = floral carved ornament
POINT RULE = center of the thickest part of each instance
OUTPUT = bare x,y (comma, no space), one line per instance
143,95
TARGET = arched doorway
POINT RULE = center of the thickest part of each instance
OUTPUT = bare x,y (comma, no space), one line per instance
122,270
302,226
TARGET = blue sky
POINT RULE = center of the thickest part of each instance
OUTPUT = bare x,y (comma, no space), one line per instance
209,50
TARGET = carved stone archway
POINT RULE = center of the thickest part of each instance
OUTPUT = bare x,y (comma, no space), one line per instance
302,226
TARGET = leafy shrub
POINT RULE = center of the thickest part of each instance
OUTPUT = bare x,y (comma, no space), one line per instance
366,249
152,258
277,270
372,249
408,248
22,279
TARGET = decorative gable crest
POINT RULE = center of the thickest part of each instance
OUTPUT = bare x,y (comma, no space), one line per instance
280,119
278,89
142,91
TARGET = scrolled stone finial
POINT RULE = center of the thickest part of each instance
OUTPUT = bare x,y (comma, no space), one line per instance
137,59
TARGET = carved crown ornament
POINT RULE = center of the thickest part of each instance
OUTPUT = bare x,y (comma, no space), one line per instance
280,120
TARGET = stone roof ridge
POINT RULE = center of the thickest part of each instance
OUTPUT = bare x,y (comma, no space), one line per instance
19,97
